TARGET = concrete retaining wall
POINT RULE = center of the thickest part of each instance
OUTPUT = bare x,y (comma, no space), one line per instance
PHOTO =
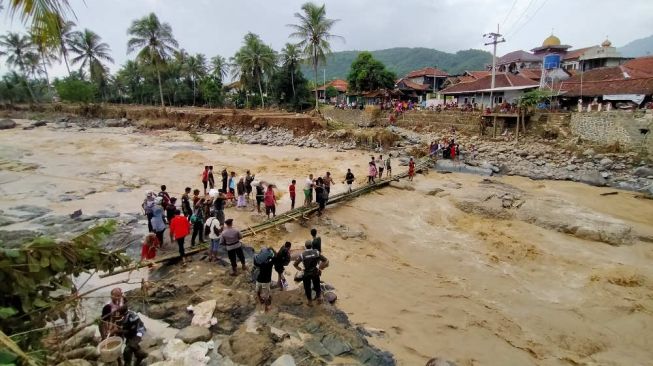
628,128
445,119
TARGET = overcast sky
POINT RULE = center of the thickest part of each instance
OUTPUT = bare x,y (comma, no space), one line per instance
217,27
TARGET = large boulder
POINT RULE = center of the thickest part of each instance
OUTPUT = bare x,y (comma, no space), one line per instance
194,334
643,171
202,313
6,124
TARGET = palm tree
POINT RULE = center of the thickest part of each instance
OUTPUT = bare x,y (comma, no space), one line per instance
19,51
253,60
314,33
290,59
91,52
219,67
155,41
47,51
195,68
63,38
43,15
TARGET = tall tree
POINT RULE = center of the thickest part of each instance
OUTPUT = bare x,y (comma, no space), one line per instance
47,51
367,74
253,60
42,15
219,67
63,37
20,53
91,52
314,33
195,68
290,58
154,41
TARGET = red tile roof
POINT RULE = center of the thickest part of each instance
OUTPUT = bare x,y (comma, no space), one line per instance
640,67
597,88
427,71
478,74
502,80
533,74
340,85
515,56
600,74
412,85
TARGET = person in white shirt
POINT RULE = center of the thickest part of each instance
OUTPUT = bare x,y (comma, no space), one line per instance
212,225
308,190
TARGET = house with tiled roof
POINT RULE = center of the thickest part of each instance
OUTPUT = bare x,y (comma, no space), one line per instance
340,85
517,60
508,87
417,84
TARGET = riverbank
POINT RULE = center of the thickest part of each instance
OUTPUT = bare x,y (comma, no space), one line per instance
505,271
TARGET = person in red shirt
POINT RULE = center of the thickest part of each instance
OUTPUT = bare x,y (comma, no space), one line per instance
291,190
150,244
270,202
179,229
411,169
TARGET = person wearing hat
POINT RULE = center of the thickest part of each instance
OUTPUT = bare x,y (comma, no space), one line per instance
148,204
230,239
313,262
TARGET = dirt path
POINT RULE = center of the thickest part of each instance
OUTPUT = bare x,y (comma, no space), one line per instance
438,281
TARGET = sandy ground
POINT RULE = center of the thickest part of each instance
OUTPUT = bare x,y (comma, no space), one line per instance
436,280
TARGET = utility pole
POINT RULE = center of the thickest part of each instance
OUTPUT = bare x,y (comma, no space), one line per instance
495,40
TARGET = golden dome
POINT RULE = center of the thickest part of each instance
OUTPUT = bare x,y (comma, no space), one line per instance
551,41
606,43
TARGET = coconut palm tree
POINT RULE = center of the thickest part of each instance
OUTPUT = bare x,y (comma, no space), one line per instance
43,15
290,59
219,67
47,51
195,68
63,37
154,42
20,53
254,60
91,52
314,33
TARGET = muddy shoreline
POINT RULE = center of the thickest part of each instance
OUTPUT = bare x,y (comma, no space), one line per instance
491,270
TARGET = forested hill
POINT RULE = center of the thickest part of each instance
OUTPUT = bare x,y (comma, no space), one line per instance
402,60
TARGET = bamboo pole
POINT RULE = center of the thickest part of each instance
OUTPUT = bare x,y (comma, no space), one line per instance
494,122
517,132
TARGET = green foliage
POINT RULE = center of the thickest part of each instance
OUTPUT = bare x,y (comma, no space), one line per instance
36,278
252,62
331,91
369,74
211,91
74,89
534,97
281,85
402,60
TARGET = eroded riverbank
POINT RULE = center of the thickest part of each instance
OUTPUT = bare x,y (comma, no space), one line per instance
505,271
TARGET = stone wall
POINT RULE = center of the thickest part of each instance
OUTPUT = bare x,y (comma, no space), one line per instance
628,128
368,117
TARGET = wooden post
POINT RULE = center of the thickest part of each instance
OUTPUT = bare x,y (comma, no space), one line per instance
494,122
523,120
517,132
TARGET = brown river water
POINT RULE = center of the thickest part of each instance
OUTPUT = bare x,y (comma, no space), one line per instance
432,280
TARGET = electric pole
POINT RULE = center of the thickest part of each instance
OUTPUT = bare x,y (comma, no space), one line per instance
495,40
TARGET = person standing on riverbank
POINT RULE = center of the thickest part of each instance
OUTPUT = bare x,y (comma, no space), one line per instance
260,195
218,206
232,186
313,262
265,262
349,179
388,166
185,203
241,191
320,195
225,177
316,242
230,239
213,227
171,208
205,177
211,178
270,202
292,191
411,169
198,222
158,222
249,178
148,206
281,260
179,229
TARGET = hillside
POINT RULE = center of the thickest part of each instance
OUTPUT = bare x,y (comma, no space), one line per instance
402,60
638,48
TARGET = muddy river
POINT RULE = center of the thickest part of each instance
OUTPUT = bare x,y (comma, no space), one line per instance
425,266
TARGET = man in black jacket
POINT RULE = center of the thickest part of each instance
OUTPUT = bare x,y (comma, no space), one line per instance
314,263
132,330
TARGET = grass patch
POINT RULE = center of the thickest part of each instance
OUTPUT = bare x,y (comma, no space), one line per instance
195,136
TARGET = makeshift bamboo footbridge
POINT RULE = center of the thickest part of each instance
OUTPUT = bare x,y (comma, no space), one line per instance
292,215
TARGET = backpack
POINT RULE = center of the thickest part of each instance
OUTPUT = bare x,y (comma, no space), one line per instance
263,257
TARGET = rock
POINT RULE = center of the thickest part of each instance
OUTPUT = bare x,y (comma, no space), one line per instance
154,356
194,334
76,214
174,349
439,362
589,152
316,348
84,337
284,360
592,178
7,124
403,185
571,167
335,345
434,192
643,171
605,162
88,353
75,362
202,313
39,123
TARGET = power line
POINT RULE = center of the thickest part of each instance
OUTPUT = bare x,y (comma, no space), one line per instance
519,18
509,12
514,32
